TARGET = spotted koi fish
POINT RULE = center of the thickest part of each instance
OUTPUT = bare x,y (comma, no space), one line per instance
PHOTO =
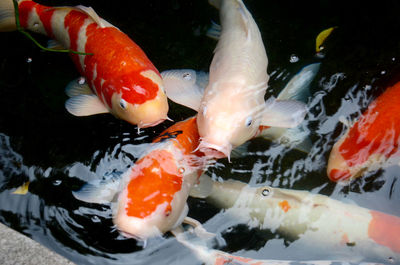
152,194
372,140
313,218
118,76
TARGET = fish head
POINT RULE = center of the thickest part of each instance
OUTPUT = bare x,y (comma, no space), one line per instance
154,198
227,120
147,105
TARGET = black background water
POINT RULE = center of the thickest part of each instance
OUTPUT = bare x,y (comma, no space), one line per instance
57,152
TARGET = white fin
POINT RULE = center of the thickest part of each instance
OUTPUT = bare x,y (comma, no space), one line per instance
7,16
199,230
214,32
91,13
78,87
99,190
185,86
53,44
298,87
203,189
283,113
85,105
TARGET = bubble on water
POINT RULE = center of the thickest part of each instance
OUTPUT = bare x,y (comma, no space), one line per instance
181,170
57,182
383,72
95,219
81,80
394,59
294,58
29,60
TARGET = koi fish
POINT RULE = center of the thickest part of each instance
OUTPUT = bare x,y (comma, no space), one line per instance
232,107
118,76
314,218
372,140
216,257
180,82
151,195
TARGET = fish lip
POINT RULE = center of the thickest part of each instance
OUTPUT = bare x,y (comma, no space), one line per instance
151,124
213,150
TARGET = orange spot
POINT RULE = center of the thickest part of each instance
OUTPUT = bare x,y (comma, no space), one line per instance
345,239
284,205
155,180
384,229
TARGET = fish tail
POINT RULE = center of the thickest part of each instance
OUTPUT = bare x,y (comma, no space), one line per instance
7,16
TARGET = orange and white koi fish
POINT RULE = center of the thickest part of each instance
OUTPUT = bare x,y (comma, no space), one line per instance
312,218
120,79
232,107
152,194
179,83
372,140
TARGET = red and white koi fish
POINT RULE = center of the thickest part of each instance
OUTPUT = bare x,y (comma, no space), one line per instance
313,218
371,141
152,194
120,79
232,107
186,87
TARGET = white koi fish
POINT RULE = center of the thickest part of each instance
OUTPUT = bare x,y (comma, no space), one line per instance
232,107
314,218
180,82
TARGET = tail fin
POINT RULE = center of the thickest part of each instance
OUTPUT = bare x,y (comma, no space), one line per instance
7,16
215,3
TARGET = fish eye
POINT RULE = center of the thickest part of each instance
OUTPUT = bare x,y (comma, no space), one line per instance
187,76
123,103
248,121
266,192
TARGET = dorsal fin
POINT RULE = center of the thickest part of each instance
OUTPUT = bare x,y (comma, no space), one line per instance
91,13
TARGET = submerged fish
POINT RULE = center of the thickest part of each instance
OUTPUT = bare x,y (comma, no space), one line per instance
216,257
232,107
118,76
179,83
314,218
152,194
371,141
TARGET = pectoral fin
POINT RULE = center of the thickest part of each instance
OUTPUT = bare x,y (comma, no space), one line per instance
185,86
85,105
99,190
283,113
298,88
78,87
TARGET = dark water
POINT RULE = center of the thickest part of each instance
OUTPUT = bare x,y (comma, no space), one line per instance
41,143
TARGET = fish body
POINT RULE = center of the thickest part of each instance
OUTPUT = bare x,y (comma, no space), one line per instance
152,194
120,78
186,87
232,107
371,141
314,218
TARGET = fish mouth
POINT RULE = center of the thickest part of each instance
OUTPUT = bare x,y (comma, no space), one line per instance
151,124
215,151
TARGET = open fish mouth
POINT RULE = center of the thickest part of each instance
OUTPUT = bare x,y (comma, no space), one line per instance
214,151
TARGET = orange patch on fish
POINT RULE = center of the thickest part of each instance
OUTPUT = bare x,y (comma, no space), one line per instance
377,131
384,229
285,206
156,181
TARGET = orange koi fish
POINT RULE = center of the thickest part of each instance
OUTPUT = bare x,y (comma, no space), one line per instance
372,140
118,76
152,194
